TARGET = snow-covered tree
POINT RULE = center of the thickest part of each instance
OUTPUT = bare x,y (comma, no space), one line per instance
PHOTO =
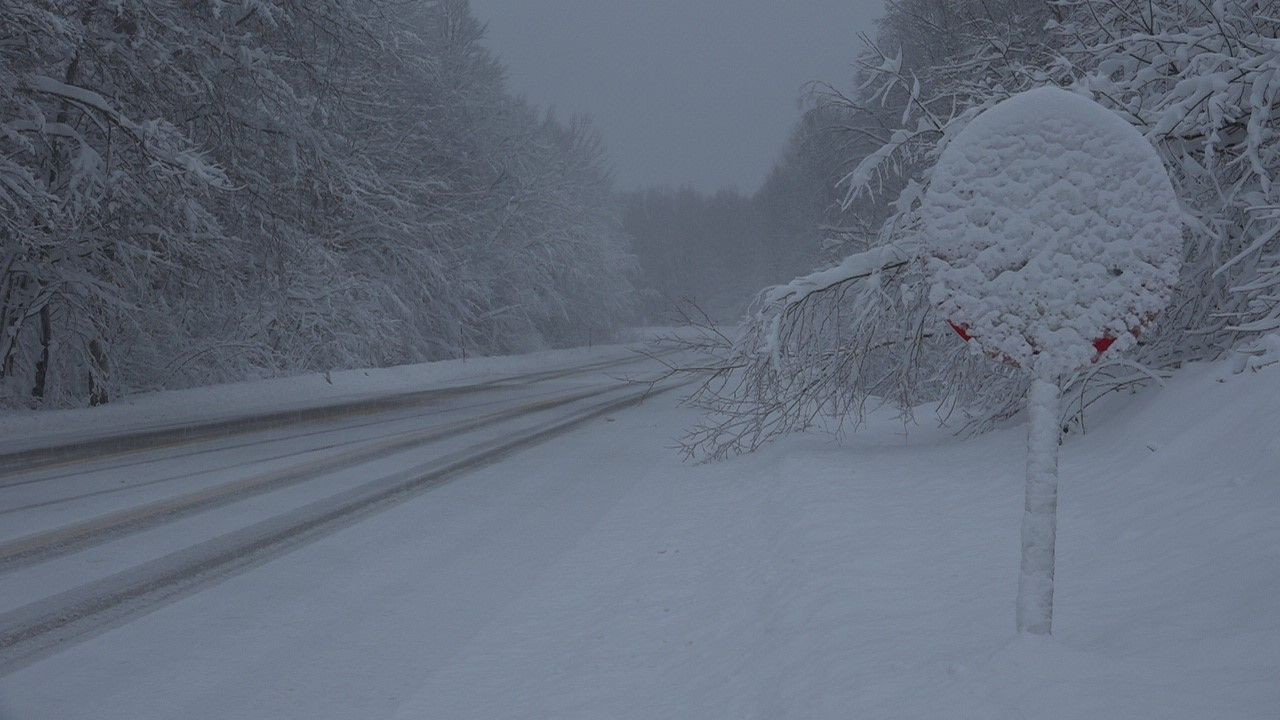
101,187
196,192
1197,79
1202,82
826,343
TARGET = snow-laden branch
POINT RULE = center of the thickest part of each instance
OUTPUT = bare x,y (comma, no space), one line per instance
1200,80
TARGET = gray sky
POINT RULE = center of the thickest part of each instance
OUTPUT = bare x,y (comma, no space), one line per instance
685,91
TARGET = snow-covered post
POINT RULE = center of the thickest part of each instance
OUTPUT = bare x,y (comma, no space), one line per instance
1054,236
1040,513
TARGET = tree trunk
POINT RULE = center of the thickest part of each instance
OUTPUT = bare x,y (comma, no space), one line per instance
38,387
1040,516
8,331
97,374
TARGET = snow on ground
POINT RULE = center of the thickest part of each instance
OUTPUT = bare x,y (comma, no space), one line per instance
877,581
598,577
21,429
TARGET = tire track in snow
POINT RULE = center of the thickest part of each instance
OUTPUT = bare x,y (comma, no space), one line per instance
205,470
49,457
39,628
37,547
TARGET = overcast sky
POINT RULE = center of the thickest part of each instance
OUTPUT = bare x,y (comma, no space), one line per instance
699,92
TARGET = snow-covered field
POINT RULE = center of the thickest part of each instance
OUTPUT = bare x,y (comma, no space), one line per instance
596,576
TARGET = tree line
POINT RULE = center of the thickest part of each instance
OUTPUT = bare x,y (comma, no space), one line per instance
711,252
203,192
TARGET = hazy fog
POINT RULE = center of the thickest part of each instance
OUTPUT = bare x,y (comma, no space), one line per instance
685,91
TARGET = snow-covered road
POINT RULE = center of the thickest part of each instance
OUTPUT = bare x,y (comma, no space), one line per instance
107,527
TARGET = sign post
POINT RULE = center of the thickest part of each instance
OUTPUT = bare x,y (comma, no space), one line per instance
1054,237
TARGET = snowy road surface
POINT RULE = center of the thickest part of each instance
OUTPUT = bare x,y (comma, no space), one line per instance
594,575
106,525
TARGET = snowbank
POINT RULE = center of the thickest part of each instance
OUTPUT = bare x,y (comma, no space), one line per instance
878,581
36,428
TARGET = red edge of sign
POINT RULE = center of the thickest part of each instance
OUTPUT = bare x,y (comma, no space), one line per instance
1102,344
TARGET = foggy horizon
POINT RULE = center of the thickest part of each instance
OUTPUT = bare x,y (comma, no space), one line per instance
695,93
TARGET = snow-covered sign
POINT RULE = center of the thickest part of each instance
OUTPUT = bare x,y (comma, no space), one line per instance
1053,230
1053,234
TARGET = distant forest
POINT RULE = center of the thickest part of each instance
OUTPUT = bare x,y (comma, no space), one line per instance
712,252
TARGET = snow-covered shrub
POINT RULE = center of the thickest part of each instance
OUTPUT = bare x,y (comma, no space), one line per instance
1261,353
